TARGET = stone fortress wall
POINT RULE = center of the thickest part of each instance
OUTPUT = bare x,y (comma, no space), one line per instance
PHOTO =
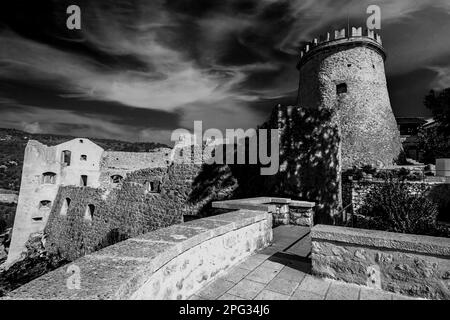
346,74
86,198
169,263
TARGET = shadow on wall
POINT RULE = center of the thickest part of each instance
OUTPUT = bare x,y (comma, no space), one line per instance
309,145
440,194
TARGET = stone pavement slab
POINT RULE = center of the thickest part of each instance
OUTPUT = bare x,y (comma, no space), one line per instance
195,297
228,296
247,289
236,274
251,263
270,295
262,274
283,286
274,264
291,273
314,285
215,289
371,294
401,297
342,291
302,248
306,295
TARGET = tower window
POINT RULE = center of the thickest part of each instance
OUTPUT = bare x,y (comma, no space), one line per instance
116,179
66,155
83,181
65,206
83,157
89,213
45,204
152,186
341,88
49,178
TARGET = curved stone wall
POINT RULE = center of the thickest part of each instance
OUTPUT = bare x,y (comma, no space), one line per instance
169,263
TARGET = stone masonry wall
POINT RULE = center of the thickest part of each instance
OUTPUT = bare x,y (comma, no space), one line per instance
284,211
293,215
169,263
407,264
122,212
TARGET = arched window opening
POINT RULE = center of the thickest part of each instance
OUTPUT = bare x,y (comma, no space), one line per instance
192,153
66,156
84,180
49,178
65,206
152,186
89,213
116,179
341,88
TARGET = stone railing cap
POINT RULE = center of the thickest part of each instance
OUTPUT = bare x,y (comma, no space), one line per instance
388,240
117,271
261,203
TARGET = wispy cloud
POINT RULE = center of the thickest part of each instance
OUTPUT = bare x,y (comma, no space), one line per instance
205,64
312,15
442,79
34,119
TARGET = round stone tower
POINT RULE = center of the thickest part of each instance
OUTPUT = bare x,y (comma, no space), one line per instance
346,73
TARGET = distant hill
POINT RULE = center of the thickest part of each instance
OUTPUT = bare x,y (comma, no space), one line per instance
12,148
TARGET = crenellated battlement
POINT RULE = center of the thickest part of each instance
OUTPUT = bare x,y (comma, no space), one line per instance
339,36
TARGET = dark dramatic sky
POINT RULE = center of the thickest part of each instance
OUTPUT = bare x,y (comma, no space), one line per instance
141,68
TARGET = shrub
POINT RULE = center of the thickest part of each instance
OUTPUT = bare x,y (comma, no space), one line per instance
3,225
403,173
390,206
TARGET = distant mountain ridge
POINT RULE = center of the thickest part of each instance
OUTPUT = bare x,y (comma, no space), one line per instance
13,143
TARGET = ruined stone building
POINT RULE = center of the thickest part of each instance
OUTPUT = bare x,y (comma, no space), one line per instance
86,198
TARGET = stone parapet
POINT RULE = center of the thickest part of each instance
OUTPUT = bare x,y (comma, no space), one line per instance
170,263
401,263
284,211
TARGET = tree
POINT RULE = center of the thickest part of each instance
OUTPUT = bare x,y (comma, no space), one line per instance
3,225
392,206
439,104
435,141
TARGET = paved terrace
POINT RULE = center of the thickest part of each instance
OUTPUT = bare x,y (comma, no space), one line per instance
283,272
